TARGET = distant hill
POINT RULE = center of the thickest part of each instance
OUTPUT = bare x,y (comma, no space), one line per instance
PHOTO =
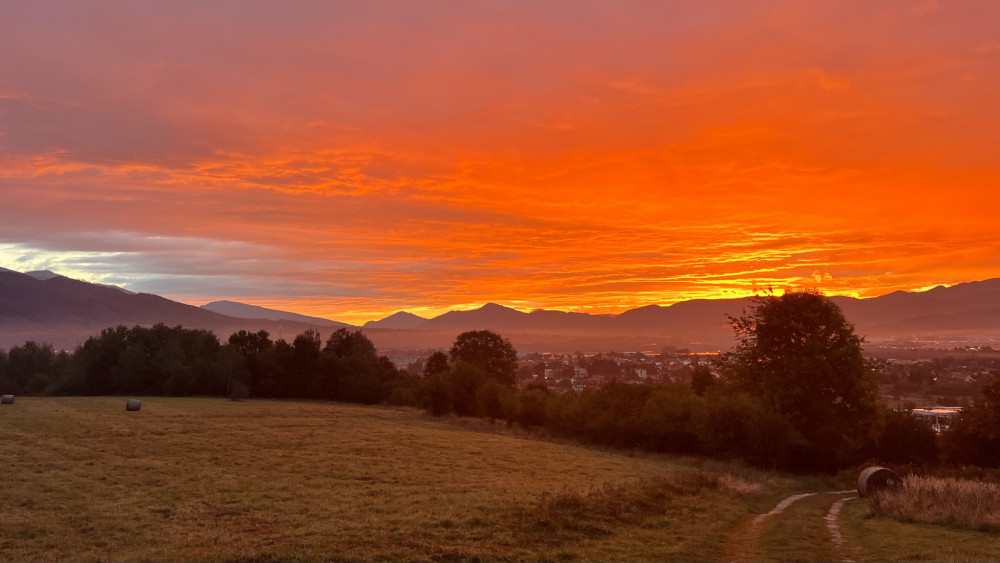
397,321
57,299
47,307
244,311
42,274
64,312
489,316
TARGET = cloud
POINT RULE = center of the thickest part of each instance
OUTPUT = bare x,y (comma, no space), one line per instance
819,277
351,159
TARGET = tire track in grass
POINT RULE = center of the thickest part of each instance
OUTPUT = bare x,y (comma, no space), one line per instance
742,545
842,550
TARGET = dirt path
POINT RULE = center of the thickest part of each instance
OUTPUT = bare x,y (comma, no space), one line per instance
744,543
842,550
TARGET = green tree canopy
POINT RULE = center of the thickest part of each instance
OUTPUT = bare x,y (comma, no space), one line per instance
489,352
800,354
344,343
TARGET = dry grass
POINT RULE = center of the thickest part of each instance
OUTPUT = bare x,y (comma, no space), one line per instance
632,502
215,480
886,539
935,500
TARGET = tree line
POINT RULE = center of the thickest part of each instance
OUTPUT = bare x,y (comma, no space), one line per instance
795,393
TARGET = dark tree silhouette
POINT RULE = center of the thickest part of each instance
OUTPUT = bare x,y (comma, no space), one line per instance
800,354
701,379
30,368
488,351
242,359
344,343
250,344
974,436
437,364
907,439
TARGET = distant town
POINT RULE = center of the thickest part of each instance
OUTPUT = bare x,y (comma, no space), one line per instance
910,376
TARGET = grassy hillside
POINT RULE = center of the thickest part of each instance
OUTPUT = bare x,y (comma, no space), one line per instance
885,539
213,480
207,479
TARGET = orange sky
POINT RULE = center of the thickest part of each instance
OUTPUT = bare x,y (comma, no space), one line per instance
351,159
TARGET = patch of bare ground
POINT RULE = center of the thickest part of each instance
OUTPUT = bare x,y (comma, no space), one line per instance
843,551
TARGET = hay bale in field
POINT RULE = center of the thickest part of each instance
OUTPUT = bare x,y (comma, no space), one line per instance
6,399
875,478
133,405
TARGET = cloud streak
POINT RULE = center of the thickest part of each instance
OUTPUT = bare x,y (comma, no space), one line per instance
352,159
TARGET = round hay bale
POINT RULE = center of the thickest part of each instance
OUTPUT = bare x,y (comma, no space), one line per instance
133,404
6,399
875,478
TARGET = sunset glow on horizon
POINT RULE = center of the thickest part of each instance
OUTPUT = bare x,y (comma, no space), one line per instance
352,159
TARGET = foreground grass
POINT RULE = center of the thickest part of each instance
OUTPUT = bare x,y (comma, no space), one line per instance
885,539
800,534
212,480
935,500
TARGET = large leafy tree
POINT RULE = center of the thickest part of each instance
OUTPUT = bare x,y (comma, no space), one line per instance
799,353
488,351
243,360
344,343
250,344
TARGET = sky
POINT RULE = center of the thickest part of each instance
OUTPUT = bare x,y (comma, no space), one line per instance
355,158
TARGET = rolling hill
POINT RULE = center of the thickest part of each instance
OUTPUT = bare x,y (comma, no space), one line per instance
64,312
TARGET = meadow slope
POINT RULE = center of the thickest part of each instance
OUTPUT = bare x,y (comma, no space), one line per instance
214,480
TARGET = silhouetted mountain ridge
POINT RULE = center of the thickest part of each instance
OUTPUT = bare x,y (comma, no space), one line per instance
397,321
245,311
64,311
959,310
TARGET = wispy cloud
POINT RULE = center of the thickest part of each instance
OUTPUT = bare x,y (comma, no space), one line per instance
355,159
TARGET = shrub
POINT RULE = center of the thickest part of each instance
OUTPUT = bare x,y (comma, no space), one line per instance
957,502
669,419
743,426
437,397
974,437
907,439
530,407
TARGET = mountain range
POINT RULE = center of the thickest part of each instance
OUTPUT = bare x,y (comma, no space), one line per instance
966,311
46,307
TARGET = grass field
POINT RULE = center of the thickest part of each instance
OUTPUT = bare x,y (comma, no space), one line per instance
885,539
213,480
208,479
